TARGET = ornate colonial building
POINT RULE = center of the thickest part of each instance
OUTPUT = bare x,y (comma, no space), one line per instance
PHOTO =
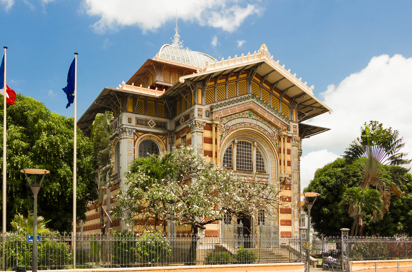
244,113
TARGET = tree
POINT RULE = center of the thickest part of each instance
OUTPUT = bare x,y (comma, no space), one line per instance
332,181
156,169
25,225
38,138
361,202
380,147
373,134
194,192
102,146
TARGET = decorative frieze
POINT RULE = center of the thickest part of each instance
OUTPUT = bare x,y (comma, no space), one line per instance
248,119
246,98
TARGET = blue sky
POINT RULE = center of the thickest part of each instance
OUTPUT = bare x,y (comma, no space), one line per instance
338,46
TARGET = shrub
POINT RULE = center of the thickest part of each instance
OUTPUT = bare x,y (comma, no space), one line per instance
52,254
124,247
369,251
153,248
219,258
245,256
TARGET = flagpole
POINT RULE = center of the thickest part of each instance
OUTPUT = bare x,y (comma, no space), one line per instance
75,163
4,155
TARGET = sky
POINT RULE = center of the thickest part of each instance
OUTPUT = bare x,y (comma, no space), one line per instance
357,54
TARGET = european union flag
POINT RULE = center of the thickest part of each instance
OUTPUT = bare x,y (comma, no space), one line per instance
69,89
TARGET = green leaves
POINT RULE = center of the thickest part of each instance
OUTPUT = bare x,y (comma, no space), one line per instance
183,187
38,138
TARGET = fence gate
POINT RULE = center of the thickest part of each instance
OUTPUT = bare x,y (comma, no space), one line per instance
268,236
332,253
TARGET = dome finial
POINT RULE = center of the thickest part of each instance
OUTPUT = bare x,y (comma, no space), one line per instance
176,41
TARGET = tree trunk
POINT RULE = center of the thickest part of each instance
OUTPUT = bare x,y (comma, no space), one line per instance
191,258
354,225
103,231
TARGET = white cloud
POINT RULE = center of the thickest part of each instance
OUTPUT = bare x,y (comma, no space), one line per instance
107,43
224,14
382,91
51,93
214,41
7,3
30,5
44,2
313,161
240,43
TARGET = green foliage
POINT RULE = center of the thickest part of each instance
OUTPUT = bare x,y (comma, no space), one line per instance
95,247
102,151
189,190
335,178
123,247
245,256
369,251
365,201
153,248
25,225
52,254
373,134
219,258
82,257
38,138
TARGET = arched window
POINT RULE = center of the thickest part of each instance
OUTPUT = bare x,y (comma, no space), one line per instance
245,158
117,158
260,163
227,158
148,147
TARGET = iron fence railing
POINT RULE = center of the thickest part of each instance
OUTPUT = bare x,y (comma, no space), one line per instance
125,249
331,250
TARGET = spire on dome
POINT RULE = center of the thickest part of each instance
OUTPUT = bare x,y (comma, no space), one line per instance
176,41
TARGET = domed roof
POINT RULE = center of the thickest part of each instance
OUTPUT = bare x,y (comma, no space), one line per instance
176,53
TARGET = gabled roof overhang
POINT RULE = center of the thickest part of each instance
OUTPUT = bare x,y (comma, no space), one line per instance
150,67
277,76
109,98
307,131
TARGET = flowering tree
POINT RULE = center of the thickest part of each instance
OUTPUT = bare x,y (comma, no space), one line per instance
191,191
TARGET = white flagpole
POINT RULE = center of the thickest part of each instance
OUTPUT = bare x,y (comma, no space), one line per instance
75,163
4,155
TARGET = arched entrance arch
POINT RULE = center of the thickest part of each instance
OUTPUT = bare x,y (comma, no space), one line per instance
155,139
267,147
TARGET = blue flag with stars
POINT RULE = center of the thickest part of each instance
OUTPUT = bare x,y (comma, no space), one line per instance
69,89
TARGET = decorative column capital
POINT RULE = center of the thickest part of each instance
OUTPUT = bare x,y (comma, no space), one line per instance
126,133
295,141
196,125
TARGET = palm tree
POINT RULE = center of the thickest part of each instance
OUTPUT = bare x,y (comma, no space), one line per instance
21,224
361,202
379,147
102,145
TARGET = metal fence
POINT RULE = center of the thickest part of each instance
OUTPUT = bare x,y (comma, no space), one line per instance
360,249
151,249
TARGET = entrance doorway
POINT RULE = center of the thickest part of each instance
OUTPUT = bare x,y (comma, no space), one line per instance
244,231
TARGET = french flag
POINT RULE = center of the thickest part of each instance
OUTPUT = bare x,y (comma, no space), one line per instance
10,93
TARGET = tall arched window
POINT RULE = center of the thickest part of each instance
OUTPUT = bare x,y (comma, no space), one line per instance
148,147
244,156
227,158
117,158
247,157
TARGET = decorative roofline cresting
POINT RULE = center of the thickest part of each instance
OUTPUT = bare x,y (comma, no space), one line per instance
262,55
